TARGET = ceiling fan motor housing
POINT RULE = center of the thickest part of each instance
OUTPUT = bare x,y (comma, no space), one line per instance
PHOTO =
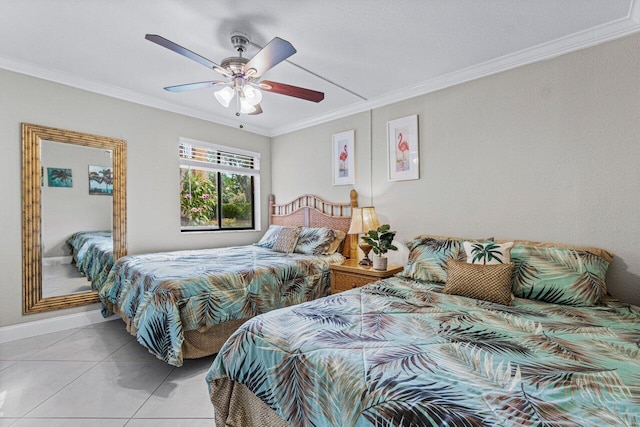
235,64
239,41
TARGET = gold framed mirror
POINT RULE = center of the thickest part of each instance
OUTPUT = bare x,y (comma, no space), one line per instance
33,137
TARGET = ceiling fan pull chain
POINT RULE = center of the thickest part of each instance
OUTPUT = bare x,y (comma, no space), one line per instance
237,102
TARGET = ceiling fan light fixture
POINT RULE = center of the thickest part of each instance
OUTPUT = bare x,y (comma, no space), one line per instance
224,95
246,107
252,95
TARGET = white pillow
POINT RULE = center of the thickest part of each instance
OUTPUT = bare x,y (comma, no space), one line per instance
270,236
488,253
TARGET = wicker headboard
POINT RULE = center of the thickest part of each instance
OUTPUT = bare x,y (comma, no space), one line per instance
309,210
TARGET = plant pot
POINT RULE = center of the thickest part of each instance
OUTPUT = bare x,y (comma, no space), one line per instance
379,262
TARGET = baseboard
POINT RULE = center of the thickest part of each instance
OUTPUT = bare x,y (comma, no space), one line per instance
55,324
54,260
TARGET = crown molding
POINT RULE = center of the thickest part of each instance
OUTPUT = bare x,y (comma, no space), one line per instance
574,42
577,41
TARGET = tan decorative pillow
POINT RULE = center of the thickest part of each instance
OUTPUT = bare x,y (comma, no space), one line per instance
486,282
335,245
286,240
488,253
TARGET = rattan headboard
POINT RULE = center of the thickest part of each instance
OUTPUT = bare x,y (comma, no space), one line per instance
309,210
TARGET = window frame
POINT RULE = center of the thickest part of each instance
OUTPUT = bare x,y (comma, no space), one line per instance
219,169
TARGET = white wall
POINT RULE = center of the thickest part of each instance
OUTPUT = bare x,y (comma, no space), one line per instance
153,218
544,152
66,210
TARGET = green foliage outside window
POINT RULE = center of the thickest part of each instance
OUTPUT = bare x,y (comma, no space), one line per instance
236,200
198,199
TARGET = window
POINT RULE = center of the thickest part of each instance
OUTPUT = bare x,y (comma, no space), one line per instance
217,187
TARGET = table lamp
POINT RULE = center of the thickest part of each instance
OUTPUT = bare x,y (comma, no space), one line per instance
363,220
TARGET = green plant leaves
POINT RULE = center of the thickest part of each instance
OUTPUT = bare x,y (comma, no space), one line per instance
381,239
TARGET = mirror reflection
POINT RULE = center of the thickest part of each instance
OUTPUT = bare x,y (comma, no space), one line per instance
77,206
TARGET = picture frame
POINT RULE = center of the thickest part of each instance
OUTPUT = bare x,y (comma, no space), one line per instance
403,149
343,158
101,180
59,177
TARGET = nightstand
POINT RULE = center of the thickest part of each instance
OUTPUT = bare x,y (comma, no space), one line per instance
350,275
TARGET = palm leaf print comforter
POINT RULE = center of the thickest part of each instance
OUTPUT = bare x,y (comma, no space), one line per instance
401,353
167,293
93,254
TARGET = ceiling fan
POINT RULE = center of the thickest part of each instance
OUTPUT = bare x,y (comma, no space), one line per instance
242,74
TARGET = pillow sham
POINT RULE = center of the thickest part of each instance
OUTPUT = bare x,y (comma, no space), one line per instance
559,275
428,258
286,240
270,236
491,282
314,240
337,241
487,253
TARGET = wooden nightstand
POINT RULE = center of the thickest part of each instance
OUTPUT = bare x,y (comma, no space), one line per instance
350,275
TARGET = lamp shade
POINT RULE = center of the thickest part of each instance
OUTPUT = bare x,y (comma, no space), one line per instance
363,220
252,95
246,107
224,95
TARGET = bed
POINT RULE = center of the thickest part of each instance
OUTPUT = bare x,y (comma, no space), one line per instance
93,255
414,350
185,304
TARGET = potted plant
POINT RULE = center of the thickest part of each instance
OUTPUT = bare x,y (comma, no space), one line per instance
381,241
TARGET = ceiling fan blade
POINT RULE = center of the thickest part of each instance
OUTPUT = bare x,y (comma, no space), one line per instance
186,53
258,110
191,86
295,91
276,51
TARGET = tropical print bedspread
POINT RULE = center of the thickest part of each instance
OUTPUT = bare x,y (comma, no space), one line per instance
168,293
399,352
93,254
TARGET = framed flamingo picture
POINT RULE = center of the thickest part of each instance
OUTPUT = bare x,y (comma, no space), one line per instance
402,137
344,158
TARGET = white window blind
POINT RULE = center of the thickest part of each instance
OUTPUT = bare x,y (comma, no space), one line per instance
202,155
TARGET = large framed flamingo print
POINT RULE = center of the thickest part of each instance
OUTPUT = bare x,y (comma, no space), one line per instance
344,158
402,136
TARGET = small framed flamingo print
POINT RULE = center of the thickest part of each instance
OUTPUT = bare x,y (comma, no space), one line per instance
402,137
344,158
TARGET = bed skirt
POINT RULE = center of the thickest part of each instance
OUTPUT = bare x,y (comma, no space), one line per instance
236,406
197,344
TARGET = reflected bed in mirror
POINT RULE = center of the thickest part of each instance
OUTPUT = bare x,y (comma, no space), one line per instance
72,182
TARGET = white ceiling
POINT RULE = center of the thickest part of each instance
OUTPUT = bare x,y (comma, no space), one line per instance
380,51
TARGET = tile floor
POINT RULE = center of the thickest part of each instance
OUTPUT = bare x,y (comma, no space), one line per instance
98,376
62,279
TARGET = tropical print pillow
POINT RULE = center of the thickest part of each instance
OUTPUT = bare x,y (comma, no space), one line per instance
335,245
428,258
488,253
270,236
314,241
558,275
